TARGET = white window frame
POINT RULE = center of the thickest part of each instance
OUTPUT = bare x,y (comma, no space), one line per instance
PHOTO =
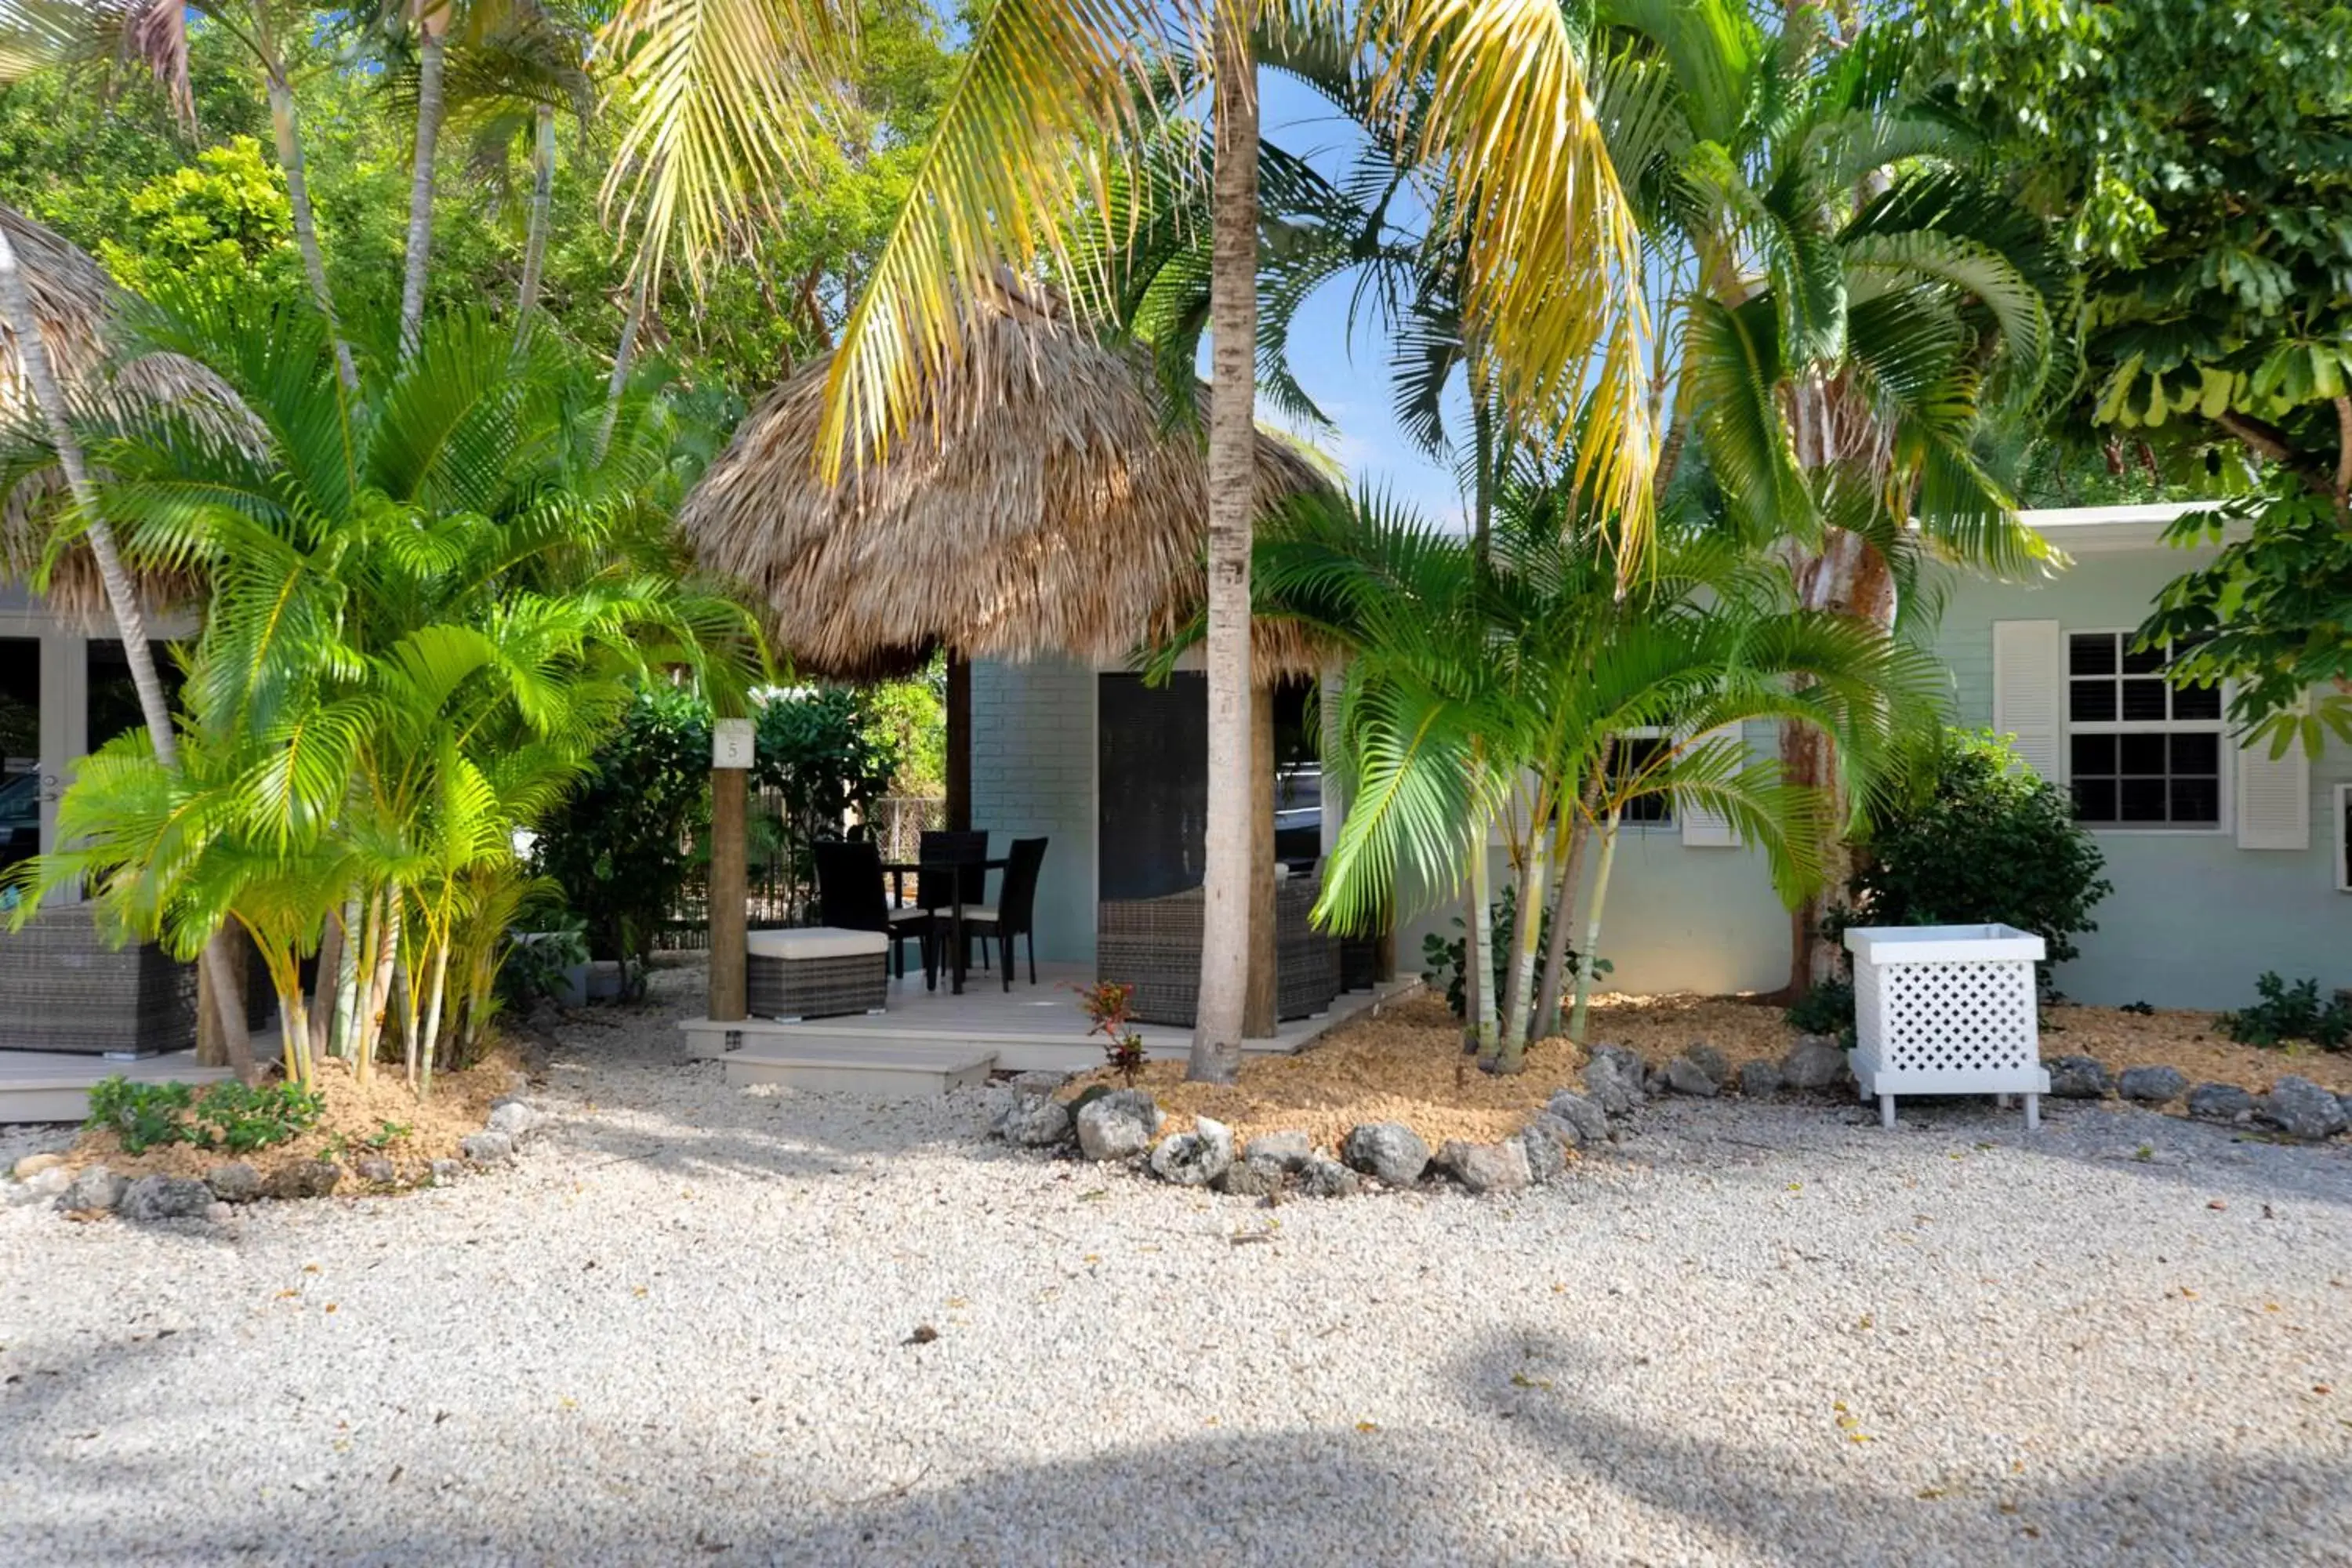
1670,823
2343,796
2225,783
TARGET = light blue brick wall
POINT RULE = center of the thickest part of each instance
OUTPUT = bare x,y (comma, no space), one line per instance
1033,775
2193,918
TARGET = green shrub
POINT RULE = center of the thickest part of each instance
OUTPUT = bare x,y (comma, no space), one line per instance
537,962
1826,1009
1986,841
1442,959
2289,1013
229,1116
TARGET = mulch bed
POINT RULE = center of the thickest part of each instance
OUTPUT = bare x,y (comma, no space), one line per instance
1406,1065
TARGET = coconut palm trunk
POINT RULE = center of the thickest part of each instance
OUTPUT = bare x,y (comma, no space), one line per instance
432,58
542,200
624,354
287,129
1233,442
32,355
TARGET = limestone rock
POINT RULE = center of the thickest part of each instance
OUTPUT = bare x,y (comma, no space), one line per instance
1390,1150
1197,1158
2220,1102
1323,1177
2301,1109
485,1148
519,1120
447,1172
2152,1086
95,1190
2078,1078
1708,1060
1251,1177
152,1198
1815,1061
1687,1076
375,1168
42,1186
1585,1116
1117,1125
32,1165
1759,1079
234,1182
1035,1121
1487,1167
306,1179
1614,1079
1291,1151
1545,1149
1038,1082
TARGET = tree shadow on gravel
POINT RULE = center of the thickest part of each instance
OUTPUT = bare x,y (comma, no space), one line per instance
1760,1506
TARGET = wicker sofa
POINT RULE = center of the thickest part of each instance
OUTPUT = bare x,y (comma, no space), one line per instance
1154,945
64,988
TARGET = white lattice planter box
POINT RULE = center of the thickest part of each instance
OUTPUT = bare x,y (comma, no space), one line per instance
1946,1010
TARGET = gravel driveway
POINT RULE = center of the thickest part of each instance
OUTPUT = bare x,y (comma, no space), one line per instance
679,1331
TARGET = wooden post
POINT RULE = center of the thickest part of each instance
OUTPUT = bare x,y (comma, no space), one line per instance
212,1043
959,744
732,748
1258,1002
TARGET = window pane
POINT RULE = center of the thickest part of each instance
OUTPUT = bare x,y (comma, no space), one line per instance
2095,753
2143,800
2144,699
2094,800
2197,754
2091,653
2140,754
2091,702
2146,661
20,754
2197,702
2197,801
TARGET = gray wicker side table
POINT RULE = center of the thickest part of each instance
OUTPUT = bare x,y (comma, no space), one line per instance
815,972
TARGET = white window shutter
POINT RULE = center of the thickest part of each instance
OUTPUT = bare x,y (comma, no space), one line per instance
1702,826
2029,692
2273,797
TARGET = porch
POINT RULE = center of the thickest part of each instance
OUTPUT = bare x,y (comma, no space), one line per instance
926,1041
54,1085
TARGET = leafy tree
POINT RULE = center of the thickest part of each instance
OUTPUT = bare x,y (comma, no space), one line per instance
1989,840
2194,158
221,225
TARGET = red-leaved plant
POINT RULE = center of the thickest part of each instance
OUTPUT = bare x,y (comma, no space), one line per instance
1105,1002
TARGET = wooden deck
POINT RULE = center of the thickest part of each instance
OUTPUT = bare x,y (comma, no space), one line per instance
54,1085
927,1042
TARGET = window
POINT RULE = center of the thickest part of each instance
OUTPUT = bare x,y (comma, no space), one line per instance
2344,838
20,752
2140,752
1631,755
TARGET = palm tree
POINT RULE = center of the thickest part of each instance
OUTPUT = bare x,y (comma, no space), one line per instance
1847,299
427,604
1490,693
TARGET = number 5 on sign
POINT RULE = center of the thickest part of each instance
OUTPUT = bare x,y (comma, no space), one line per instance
730,743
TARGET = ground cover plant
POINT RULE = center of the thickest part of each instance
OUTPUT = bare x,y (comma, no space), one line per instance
231,1117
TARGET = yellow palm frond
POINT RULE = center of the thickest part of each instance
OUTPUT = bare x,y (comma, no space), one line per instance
722,100
1049,93
1554,287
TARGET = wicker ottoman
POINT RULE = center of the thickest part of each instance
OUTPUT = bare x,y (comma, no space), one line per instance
815,972
63,988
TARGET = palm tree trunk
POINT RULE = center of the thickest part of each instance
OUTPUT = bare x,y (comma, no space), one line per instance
347,971
1593,928
432,52
323,986
287,131
1545,1021
33,355
1232,463
1533,889
1477,948
542,197
623,356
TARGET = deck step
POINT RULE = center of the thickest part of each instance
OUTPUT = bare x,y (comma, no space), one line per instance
54,1085
888,1069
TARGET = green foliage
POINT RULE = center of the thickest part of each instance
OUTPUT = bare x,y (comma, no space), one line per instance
539,962
233,1117
829,756
1985,841
2289,1013
220,224
1827,1009
621,846
1442,959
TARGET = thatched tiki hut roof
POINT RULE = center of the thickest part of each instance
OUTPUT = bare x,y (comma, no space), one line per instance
75,301
1037,502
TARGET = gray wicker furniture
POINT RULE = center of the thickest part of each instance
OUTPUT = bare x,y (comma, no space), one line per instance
815,972
63,988
1154,945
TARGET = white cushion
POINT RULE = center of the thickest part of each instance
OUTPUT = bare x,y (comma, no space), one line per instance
815,942
979,911
897,915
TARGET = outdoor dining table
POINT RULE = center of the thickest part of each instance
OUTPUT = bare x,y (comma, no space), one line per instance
898,871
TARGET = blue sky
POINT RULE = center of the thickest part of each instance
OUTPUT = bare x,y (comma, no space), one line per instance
1348,381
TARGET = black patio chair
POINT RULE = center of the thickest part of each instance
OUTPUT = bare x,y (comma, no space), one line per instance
849,895
966,848
1015,912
